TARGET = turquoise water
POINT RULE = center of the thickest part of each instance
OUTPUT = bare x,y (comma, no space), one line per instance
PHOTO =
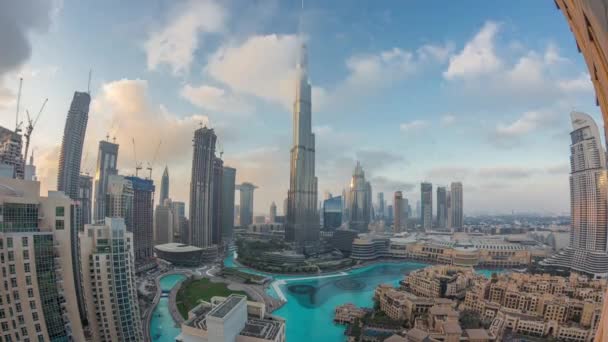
162,326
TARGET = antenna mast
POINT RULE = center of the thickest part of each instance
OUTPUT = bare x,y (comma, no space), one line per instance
18,103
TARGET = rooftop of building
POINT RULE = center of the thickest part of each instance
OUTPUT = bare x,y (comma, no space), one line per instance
174,247
227,306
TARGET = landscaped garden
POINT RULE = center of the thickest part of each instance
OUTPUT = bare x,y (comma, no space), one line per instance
193,291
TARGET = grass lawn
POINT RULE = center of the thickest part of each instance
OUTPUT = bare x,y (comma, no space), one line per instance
192,292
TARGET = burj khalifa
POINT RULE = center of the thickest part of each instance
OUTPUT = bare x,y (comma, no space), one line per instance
302,226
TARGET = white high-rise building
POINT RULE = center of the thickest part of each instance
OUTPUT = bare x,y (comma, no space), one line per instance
588,202
303,225
106,166
108,270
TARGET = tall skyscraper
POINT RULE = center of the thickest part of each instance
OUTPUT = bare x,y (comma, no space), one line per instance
201,187
164,186
587,251
180,222
359,201
449,209
39,296
426,206
10,153
218,174
85,198
381,210
228,188
142,220
164,229
442,207
398,212
106,166
390,214
457,206
119,199
302,226
108,268
369,206
273,213
246,203
418,210
30,169
71,145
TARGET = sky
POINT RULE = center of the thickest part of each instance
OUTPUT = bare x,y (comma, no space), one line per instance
440,91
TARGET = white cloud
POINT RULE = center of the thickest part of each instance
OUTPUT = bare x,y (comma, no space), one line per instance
579,84
176,43
477,57
263,66
528,122
215,99
413,125
448,119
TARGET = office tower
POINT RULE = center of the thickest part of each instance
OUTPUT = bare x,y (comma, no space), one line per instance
85,198
201,187
39,296
588,202
442,208
228,188
285,207
358,206
180,222
457,206
142,218
332,213
273,213
302,226
369,207
246,203
11,158
71,145
108,268
398,212
119,199
164,229
164,186
381,210
390,214
449,210
218,170
30,169
418,210
426,206
106,166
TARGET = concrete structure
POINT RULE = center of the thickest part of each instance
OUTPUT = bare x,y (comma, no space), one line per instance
216,224
106,166
10,153
442,208
108,269
40,291
142,220
246,203
303,225
231,319
381,213
272,215
400,223
72,143
30,169
445,281
456,206
359,201
588,202
180,221
449,210
179,254
164,186
85,198
426,206
201,188
228,188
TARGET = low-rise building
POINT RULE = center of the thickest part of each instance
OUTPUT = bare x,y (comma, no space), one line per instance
349,313
231,319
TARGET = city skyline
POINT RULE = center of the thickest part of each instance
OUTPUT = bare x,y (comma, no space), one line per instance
168,92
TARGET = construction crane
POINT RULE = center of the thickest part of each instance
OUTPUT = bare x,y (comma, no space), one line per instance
149,168
17,124
137,165
30,128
